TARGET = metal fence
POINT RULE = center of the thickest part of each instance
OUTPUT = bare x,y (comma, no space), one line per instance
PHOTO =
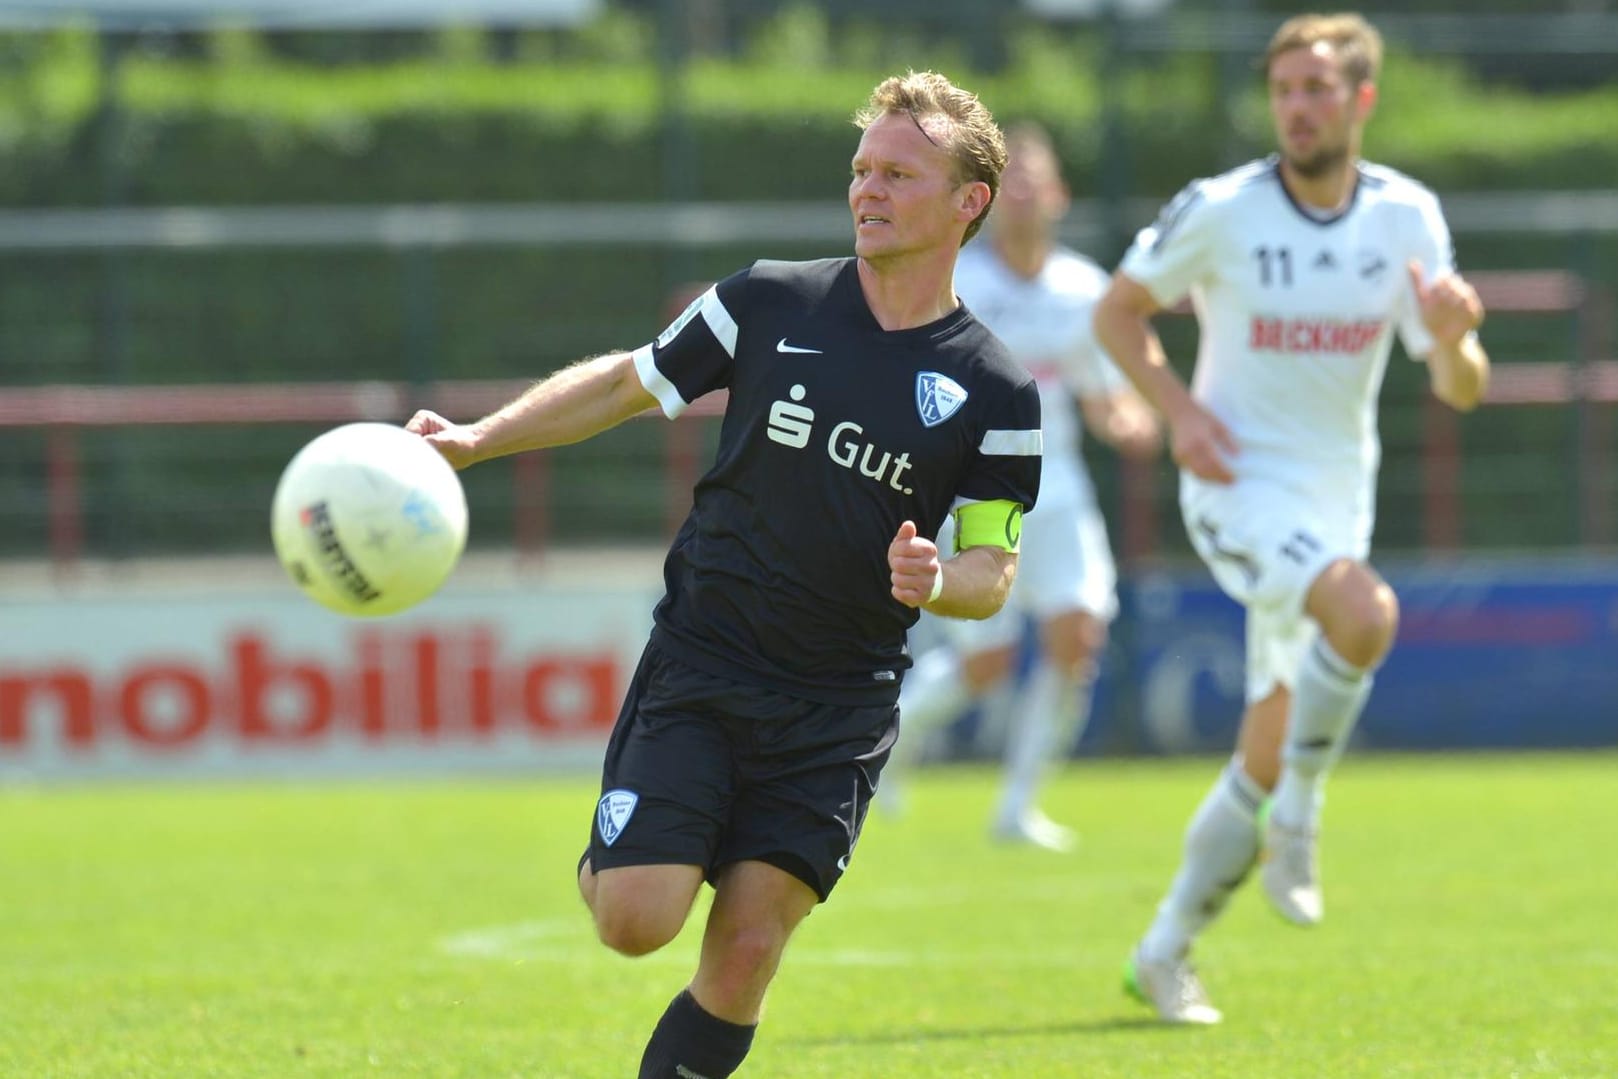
114,470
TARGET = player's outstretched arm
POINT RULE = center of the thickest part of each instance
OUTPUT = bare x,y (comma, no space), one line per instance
1458,367
973,584
571,405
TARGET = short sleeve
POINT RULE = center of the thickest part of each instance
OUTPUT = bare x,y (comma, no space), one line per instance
1173,252
1006,461
697,352
1430,243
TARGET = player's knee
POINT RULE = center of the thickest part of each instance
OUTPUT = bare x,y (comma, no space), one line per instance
739,955
984,670
1357,611
1073,645
587,884
634,931
1365,632
1386,617
1076,654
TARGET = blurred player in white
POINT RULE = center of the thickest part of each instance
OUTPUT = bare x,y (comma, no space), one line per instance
1300,267
1037,297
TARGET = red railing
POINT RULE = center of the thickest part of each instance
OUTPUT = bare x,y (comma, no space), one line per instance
63,411
1591,378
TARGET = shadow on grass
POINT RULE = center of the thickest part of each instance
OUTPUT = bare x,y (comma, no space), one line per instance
1116,1024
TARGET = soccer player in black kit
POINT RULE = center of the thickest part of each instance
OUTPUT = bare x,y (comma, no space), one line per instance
866,405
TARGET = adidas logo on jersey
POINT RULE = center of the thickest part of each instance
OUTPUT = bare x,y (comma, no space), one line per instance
792,424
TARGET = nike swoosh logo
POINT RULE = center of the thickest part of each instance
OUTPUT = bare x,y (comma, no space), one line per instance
782,346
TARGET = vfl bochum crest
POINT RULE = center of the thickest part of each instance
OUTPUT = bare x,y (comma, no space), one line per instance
938,397
613,812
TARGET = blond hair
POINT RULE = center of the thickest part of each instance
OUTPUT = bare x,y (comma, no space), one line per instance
1354,42
971,137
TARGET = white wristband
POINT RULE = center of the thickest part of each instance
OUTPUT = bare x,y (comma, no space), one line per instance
938,585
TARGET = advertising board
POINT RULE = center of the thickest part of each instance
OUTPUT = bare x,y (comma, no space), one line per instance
270,684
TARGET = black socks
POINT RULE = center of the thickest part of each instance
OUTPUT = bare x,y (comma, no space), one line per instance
691,1044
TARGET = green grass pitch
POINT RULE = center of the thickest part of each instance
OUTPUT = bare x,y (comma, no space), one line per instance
432,929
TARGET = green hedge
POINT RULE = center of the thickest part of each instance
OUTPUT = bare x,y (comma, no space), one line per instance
239,127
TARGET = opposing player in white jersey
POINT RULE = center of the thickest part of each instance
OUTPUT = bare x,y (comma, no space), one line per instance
1037,295
1300,269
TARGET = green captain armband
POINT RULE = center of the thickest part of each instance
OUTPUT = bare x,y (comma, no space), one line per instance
995,523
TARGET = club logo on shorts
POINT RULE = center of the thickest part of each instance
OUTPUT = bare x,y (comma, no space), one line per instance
938,397
613,812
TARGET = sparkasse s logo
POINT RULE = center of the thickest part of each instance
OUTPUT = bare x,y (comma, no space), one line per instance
790,423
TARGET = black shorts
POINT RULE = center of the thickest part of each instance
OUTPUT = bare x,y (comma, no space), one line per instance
705,771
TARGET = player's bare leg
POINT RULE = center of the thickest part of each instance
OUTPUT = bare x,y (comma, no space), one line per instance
756,908
708,1029
1358,616
638,909
1262,734
1055,706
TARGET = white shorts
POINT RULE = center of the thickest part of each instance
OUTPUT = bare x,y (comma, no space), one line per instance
1266,545
1065,564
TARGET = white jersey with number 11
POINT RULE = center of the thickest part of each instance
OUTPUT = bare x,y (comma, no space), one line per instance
1297,312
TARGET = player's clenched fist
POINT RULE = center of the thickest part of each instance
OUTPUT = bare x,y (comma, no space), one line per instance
1449,304
455,441
913,561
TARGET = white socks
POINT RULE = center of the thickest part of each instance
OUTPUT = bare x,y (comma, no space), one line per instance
1326,702
1222,842
1221,845
1050,717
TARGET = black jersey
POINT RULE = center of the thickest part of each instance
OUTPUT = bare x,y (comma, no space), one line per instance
836,432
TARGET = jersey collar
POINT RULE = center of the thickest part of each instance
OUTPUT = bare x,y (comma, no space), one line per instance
1303,211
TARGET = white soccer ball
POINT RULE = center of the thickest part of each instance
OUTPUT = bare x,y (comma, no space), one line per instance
368,519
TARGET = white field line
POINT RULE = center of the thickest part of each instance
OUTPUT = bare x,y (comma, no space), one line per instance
569,939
